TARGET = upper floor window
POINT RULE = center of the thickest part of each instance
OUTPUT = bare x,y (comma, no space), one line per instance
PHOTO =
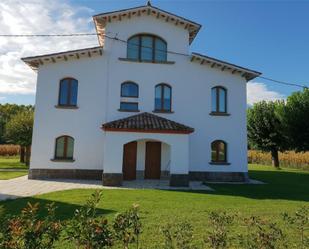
163,98
68,92
147,48
218,100
218,151
129,89
64,148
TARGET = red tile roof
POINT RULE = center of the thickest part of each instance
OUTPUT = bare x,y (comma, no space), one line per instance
147,122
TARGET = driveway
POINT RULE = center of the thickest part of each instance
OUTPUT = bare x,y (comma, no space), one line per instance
23,187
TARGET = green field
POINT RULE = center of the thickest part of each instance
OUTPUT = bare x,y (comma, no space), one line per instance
10,168
286,190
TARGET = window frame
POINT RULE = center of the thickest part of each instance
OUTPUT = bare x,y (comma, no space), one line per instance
65,148
128,110
163,85
69,94
217,144
217,89
153,47
126,83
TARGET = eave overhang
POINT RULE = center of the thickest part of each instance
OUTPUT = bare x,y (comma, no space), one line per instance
35,61
101,20
246,73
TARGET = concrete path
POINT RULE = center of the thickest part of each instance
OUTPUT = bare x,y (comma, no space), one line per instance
23,187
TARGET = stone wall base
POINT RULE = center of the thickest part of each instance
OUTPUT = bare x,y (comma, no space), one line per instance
112,179
179,180
84,174
219,176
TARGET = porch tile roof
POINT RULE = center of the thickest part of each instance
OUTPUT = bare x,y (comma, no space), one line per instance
147,122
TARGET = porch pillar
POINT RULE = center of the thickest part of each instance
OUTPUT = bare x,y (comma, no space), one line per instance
112,162
179,169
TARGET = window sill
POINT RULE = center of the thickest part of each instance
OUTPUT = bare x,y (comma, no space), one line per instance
166,112
63,160
219,163
66,107
219,114
123,110
151,62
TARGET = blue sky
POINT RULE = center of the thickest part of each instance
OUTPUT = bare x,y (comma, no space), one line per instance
269,36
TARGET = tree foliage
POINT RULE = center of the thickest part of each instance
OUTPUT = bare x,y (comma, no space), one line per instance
19,129
265,128
295,117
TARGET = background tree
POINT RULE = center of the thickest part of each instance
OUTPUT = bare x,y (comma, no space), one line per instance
295,117
18,130
265,128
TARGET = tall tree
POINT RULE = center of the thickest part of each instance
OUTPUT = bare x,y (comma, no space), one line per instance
265,129
19,131
295,116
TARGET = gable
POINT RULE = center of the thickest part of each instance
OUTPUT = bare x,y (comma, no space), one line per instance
102,20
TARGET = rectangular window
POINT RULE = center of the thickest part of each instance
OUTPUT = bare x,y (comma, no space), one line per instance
160,53
221,100
64,92
128,106
214,100
146,48
60,148
73,98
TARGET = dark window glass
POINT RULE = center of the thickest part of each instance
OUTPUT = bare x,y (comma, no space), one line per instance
218,151
129,89
133,48
147,48
64,147
163,98
127,106
68,92
218,99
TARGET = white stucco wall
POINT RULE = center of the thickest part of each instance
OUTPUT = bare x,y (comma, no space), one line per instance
99,99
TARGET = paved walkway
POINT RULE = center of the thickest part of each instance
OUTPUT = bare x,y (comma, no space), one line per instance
23,187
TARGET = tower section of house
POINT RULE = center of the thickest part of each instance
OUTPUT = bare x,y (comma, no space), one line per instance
140,106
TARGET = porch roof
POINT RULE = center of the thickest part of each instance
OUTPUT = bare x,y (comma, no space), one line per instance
147,122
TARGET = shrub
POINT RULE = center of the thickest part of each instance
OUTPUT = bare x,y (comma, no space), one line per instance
88,231
289,159
27,231
178,236
220,224
127,227
300,222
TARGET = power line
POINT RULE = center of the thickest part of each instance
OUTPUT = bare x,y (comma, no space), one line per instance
126,42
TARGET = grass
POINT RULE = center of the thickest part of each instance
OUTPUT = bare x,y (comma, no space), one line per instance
6,175
286,190
11,163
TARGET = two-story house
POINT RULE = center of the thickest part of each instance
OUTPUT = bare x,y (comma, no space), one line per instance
140,106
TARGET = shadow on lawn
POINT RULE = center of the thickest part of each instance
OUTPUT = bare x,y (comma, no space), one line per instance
64,210
280,185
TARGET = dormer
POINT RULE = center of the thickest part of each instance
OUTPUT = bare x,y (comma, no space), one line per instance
148,24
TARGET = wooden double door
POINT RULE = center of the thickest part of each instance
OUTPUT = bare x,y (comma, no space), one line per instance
152,161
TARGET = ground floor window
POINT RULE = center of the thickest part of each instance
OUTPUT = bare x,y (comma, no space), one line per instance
64,148
218,151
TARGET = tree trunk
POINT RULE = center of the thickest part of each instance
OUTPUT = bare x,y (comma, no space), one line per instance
28,152
275,158
22,154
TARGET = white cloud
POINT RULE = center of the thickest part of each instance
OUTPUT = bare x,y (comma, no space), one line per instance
37,17
257,92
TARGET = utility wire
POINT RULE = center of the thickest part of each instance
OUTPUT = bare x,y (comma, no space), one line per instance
126,42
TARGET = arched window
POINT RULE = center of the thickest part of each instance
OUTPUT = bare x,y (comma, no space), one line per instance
218,99
64,148
145,47
129,90
218,151
68,92
163,98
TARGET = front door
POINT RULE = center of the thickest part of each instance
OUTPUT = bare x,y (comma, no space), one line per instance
129,161
153,160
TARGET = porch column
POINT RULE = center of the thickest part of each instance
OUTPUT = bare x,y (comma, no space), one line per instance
112,162
179,169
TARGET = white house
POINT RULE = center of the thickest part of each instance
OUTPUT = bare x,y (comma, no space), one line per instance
140,106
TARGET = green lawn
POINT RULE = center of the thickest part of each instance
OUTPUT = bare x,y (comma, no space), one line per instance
11,163
6,175
286,190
